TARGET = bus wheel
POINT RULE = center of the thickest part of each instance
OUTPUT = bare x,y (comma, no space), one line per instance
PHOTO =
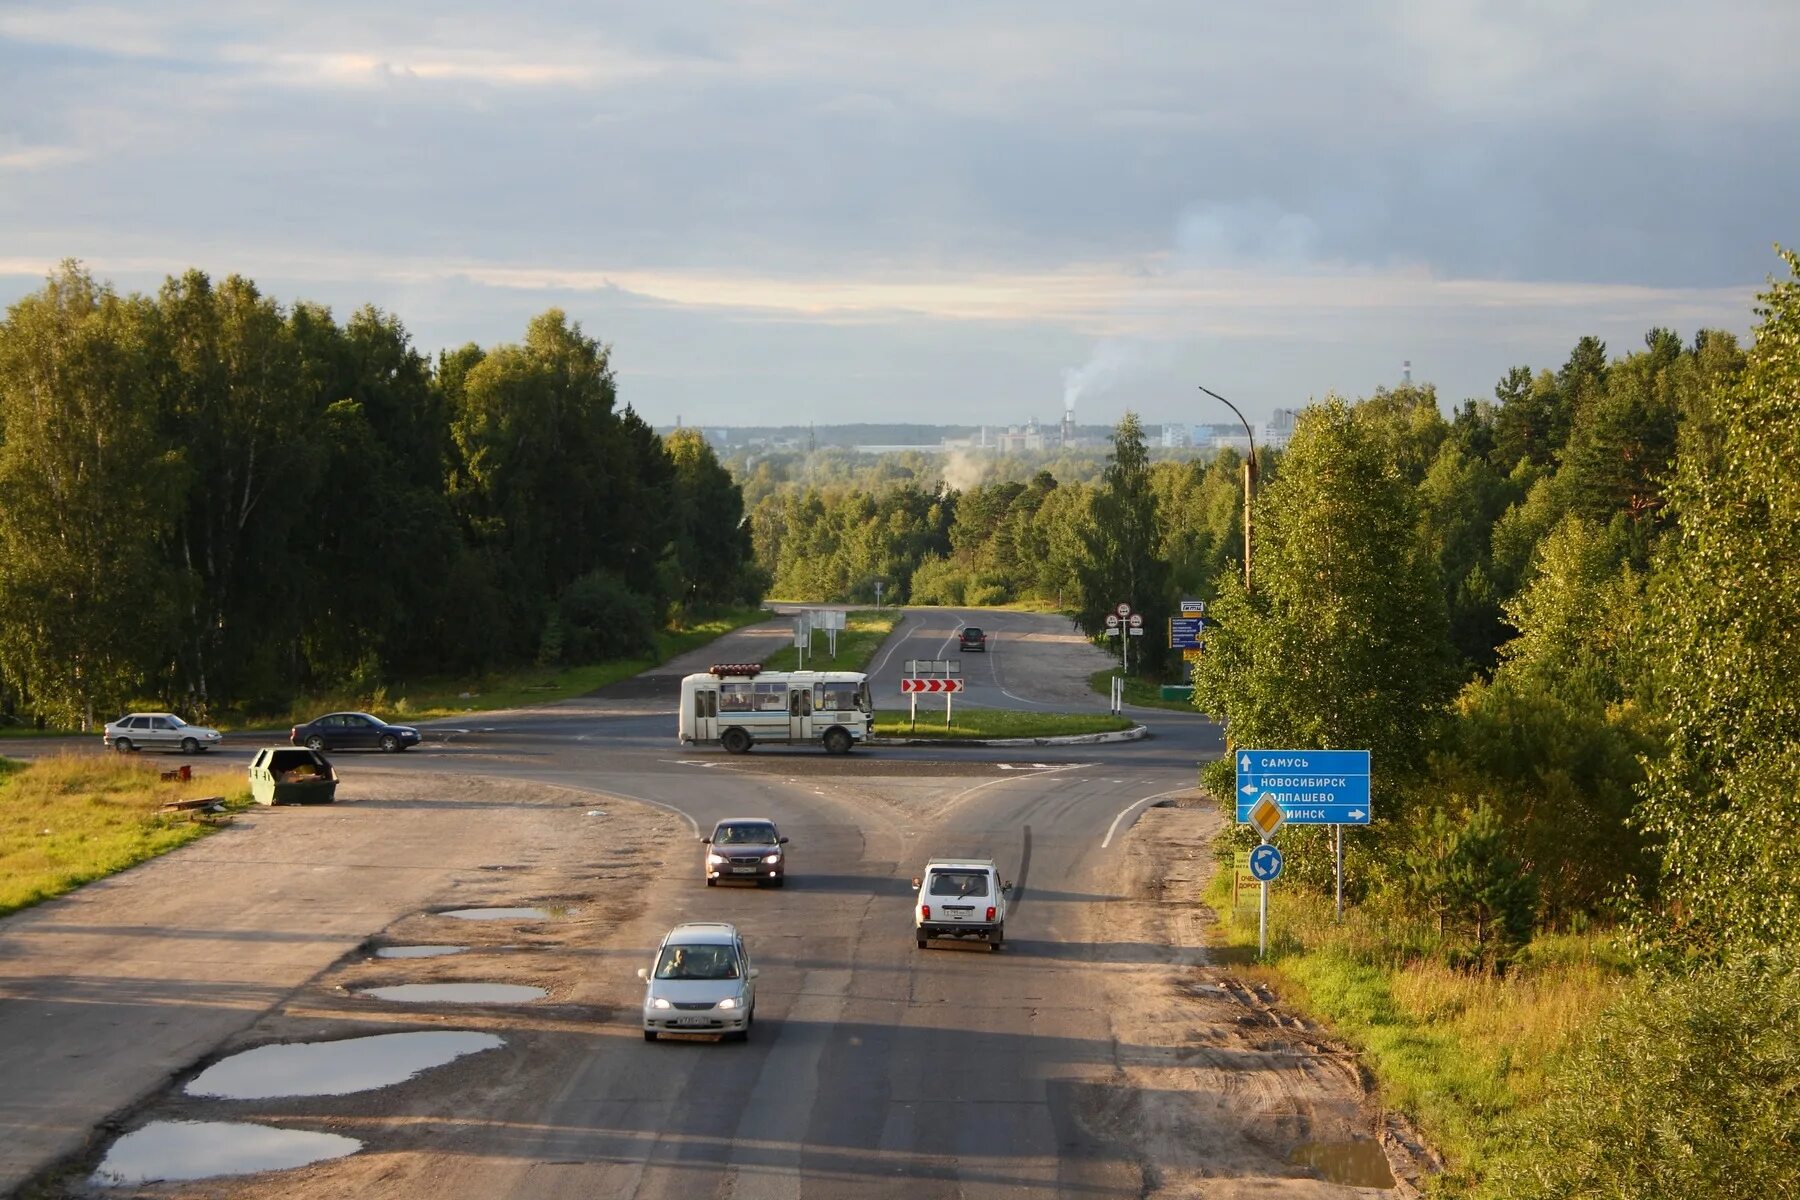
837,741
735,741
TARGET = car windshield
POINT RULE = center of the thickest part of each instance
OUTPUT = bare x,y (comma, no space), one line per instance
698,962
971,633
959,883
744,835
177,722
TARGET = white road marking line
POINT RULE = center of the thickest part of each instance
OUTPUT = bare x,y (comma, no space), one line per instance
897,644
1129,809
1004,778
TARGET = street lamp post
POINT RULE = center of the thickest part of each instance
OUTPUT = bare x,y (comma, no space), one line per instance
1249,477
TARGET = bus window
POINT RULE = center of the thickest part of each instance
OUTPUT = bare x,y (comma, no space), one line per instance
835,697
800,703
736,697
771,697
706,704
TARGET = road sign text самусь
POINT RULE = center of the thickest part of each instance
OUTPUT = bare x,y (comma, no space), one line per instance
1313,787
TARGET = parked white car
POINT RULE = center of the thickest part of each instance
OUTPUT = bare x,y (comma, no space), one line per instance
158,731
961,898
702,982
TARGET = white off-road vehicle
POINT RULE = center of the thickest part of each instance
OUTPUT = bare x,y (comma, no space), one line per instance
961,898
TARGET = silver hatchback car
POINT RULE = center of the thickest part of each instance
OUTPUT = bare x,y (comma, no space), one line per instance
158,731
702,982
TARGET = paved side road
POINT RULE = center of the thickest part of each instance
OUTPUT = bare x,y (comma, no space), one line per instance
108,991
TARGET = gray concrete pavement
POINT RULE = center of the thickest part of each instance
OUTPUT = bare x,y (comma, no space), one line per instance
959,1073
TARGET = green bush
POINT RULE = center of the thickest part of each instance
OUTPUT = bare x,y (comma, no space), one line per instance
939,581
1687,1088
600,617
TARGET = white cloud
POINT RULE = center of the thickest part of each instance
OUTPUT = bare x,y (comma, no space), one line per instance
38,158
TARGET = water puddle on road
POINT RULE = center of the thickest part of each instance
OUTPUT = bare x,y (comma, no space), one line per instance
418,951
497,914
335,1068
457,993
1353,1164
202,1149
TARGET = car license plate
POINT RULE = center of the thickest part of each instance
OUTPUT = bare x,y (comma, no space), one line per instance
692,1020
743,870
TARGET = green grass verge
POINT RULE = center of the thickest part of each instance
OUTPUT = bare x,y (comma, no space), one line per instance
449,696
1137,691
857,642
72,819
1464,1053
992,723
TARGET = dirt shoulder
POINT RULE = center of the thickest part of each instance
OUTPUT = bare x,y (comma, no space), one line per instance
108,992
1230,1094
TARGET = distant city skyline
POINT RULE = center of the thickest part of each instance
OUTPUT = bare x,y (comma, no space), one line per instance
857,211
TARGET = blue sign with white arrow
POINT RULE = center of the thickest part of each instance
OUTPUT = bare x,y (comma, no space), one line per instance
1313,787
1265,863
1187,633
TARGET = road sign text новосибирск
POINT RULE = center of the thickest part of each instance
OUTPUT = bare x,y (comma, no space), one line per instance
1313,787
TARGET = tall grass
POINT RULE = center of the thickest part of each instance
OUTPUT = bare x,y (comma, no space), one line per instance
1466,1053
71,819
857,642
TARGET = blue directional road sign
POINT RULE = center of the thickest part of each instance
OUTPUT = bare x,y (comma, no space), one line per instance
1265,863
1313,787
1187,633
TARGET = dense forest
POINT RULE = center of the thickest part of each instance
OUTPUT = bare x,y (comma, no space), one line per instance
213,500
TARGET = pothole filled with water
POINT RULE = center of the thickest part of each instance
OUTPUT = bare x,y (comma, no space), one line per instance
1353,1164
418,951
202,1149
497,914
335,1068
457,993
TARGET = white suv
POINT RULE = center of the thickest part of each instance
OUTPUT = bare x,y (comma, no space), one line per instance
961,898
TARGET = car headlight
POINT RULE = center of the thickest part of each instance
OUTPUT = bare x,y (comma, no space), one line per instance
772,858
715,859
729,1002
659,1002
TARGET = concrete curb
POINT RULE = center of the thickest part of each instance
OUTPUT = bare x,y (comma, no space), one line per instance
1069,739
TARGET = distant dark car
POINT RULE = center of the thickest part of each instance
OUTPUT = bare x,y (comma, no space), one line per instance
972,639
353,731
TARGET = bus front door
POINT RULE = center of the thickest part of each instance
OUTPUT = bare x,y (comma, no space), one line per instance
800,715
706,715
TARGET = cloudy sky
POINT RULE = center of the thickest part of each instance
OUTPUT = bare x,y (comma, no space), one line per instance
948,212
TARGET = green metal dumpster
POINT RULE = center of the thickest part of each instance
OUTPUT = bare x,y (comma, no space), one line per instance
292,775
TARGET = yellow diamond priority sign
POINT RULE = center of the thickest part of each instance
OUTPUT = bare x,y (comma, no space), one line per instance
1266,816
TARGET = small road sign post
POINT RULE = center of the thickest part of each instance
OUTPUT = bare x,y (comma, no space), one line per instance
1119,622
802,637
946,686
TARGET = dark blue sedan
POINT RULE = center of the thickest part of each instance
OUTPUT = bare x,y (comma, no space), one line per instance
353,731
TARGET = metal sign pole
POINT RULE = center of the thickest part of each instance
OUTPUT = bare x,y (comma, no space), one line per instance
948,697
1262,924
1338,835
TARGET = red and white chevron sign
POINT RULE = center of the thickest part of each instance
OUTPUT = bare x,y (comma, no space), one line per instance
930,685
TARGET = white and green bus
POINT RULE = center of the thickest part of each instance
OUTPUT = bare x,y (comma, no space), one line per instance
738,705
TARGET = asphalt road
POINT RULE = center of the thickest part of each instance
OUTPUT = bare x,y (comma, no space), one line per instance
876,1069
